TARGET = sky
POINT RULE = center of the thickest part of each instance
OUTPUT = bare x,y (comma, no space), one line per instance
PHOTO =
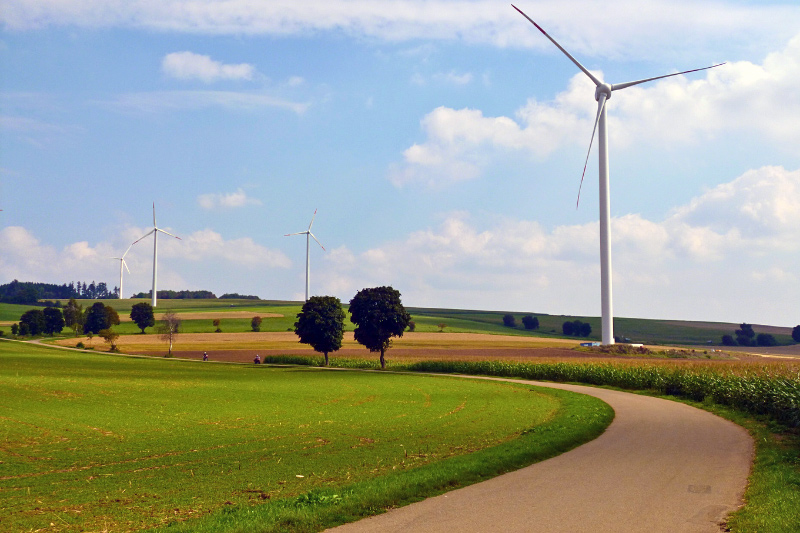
440,142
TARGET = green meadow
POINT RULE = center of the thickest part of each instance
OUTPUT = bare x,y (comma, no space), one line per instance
119,443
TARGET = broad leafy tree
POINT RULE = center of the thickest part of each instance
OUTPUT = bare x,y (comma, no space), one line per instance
530,322
796,334
73,316
32,322
255,323
765,339
320,324
142,314
378,315
96,319
509,321
53,320
745,335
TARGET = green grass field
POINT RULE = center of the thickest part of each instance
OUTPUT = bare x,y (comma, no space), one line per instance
647,331
102,442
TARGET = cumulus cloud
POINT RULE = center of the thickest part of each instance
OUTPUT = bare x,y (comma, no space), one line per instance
226,200
738,97
744,231
190,262
191,66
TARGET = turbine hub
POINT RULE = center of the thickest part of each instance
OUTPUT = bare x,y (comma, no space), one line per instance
603,88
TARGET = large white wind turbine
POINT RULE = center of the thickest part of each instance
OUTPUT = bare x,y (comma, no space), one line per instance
121,264
154,232
308,235
602,94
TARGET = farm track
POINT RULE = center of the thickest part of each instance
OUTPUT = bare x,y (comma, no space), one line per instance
661,466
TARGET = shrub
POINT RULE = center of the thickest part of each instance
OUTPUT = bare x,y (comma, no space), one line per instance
765,339
256,323
509,321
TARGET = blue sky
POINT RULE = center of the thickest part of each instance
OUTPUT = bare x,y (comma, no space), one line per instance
441,143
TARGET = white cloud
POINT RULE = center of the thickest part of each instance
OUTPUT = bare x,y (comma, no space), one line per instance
648,28
191,66
151,102
740,97
226,200
694,264
182,263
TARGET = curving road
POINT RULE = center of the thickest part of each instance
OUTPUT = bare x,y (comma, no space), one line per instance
661,466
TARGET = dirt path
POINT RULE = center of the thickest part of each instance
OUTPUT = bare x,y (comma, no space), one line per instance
661,466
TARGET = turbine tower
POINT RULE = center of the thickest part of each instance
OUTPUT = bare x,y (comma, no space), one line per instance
308,235
121,264
602,94
154,232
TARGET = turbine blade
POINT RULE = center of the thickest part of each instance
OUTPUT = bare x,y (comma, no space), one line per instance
154,215
600,104
312,236
312,220
577,64
298,233
618,86
143,236
126,252
126,266
168,233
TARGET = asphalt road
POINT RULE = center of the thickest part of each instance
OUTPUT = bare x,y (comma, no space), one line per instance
661,466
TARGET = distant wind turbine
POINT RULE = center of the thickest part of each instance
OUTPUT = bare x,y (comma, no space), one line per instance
154,232
308,235
121,264
602,94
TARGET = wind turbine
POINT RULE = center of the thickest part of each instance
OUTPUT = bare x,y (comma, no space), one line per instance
602,94
308,235
121,263
154,232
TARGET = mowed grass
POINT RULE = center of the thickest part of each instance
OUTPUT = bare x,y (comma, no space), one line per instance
100,442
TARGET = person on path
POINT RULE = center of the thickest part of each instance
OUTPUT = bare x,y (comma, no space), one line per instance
205,356
257,360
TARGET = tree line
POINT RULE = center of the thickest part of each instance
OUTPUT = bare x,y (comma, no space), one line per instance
29,293
746,336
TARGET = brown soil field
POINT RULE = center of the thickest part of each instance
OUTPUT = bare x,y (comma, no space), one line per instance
242,347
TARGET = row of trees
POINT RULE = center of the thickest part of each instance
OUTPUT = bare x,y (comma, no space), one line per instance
528,321
29,293
178,295
576,328
377,313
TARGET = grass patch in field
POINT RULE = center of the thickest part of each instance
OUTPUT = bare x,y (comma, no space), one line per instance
95,441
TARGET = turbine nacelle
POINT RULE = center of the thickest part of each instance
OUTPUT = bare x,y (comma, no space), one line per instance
603,89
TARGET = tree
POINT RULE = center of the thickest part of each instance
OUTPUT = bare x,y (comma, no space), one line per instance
509,321
112,316
568,328
378,315
728,340
441,326
32,322
110,336
585,329
765,339
169,328
530,322
320,324
96,318
216,323
256,323
412,325
53,320
73,316
142,314
745,335
796,334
